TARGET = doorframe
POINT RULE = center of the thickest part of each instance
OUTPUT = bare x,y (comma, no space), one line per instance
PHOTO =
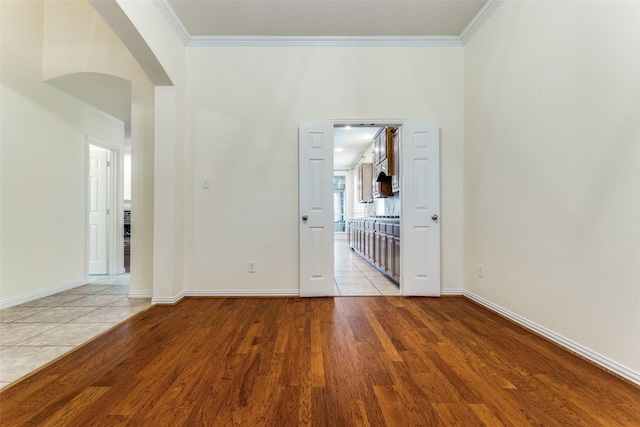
114,222
382,122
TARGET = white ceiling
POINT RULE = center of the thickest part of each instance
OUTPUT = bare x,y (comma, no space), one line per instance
349,143
308,18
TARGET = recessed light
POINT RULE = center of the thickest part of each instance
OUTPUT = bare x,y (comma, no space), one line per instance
338,150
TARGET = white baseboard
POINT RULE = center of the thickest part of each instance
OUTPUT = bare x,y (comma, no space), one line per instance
140,294
244,293
228,293
570,345
452,292
41,294
167,300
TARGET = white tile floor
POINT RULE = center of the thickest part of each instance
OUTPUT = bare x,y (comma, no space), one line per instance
356,277
34,333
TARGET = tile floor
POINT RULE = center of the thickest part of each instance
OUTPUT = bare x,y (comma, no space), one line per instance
356,277
34,333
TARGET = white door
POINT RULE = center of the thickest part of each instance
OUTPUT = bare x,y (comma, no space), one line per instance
316,209
98,213
420,232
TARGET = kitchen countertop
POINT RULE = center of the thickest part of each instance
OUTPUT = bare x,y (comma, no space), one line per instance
379,218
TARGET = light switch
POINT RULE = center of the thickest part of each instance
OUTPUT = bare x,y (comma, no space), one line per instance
206,183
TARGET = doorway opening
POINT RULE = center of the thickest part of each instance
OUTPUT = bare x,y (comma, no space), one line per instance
359,268
102,224
419,183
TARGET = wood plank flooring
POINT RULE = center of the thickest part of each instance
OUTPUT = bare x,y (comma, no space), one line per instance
350,361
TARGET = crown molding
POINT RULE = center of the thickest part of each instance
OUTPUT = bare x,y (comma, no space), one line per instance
328,41
481,17
174,21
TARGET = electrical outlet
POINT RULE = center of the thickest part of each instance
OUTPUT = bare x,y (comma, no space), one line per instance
252,266
480,270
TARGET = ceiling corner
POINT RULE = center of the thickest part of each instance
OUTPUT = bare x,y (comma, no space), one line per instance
481,17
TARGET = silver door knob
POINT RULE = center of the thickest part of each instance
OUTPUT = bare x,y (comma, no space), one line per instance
304,217
435,217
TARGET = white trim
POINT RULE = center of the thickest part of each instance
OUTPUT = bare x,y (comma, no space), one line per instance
568,344
140,294
326,41
41,294
164,300
244,293
452,292
222,293
481,17
365,121
235,41
172,17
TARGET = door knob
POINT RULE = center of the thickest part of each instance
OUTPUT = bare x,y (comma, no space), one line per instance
304,217
435,217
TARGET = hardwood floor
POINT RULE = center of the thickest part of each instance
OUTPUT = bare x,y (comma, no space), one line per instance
349,361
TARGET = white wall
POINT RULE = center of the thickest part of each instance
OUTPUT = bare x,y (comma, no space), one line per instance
243,110
127,177
44,157
172,192
552,176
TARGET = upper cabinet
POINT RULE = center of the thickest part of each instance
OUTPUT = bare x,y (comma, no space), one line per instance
383,145
395,175
383,161
363,176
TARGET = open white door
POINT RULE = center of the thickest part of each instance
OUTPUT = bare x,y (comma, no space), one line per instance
316,209
98,210
420,209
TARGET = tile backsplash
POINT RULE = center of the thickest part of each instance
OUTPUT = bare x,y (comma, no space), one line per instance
388,206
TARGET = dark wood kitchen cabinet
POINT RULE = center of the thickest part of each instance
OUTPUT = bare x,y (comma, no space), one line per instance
383,145
381,246
363,177
370,239
390,264
383,163
395,175
378,242
396,252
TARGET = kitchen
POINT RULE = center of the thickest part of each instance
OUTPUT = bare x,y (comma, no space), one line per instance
367,210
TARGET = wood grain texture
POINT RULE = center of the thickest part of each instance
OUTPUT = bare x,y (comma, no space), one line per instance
360,361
